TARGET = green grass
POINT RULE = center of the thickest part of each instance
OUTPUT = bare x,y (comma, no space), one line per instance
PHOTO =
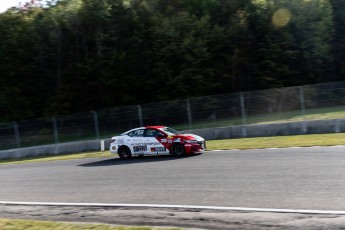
279,141
243,143
311,114
6,224
268,118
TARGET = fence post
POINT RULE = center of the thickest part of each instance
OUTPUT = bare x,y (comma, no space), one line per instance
302,102
244,116
102,145
16,134
189,115
55,129
140,115
95,119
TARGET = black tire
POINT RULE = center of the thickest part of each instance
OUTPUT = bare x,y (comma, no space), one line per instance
124,152
177,150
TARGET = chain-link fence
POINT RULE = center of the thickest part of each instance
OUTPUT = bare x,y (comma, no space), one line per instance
321,101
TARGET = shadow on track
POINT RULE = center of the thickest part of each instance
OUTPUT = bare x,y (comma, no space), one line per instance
134,160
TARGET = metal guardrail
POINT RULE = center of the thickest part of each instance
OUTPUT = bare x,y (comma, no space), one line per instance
244,108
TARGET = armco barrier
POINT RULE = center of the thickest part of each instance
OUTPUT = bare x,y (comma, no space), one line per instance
274,129
45,150
258,130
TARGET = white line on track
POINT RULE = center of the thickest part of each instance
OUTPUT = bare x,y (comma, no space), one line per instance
277,148
220,208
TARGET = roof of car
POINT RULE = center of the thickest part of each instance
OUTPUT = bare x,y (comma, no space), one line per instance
155,127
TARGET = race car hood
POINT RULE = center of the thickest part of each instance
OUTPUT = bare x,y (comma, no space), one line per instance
190,136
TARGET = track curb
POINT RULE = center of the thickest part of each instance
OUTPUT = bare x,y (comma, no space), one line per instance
195,207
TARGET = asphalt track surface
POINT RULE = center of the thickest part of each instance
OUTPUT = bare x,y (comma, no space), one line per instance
295,178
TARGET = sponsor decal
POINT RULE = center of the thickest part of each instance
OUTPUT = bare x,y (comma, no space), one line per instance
153,143
164,141
158,149
139,148
177,140
170,141
188,145
145,144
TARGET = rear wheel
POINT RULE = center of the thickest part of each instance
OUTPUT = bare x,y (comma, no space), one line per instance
177,150
124,152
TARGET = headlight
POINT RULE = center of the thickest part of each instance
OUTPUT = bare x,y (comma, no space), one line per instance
191,141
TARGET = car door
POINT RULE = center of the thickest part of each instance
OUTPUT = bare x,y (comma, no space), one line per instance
155,140
137,142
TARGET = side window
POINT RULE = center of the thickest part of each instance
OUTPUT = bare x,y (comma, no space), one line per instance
136,133
151,133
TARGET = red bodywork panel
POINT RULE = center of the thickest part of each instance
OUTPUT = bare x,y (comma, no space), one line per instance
168,141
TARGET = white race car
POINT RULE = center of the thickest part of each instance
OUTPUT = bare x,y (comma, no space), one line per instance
156,140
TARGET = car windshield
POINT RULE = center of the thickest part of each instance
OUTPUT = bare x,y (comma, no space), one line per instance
170,131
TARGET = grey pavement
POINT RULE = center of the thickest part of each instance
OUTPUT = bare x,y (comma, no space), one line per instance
301,178
295,178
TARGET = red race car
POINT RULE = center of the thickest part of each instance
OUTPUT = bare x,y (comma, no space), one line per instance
156,140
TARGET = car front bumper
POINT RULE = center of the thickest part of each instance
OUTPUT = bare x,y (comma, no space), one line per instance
195,148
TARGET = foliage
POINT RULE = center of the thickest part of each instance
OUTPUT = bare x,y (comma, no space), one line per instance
76,55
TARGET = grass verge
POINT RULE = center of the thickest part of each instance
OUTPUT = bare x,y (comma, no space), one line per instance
279,142
7,224
243,143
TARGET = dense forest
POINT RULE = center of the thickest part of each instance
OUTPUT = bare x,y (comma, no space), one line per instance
77,55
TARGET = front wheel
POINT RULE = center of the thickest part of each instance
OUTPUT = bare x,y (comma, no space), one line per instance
124,152
177,150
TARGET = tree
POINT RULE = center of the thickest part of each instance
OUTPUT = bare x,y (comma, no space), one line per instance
20,86
75,55
339,38
298,52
